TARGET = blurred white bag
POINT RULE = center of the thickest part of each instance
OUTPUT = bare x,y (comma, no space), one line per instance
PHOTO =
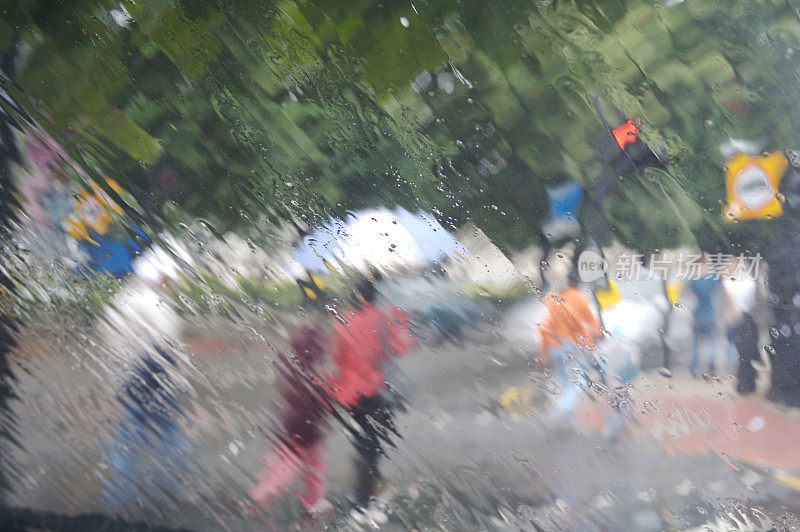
619,359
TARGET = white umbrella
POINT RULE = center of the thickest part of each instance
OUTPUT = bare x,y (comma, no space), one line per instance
375,237
435,242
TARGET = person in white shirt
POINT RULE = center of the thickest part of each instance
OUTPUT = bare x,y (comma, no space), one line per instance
742,329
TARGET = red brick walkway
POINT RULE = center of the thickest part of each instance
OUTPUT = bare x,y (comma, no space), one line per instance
748,429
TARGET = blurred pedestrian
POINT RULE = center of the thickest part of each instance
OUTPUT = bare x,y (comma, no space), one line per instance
300,438
742,329
706,326
150,427
363,345
782,255
568,329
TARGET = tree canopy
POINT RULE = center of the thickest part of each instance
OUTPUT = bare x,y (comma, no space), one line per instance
230,111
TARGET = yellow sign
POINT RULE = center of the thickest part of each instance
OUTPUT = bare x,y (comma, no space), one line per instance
93,210
752,184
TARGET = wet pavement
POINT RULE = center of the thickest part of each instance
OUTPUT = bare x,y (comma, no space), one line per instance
476,432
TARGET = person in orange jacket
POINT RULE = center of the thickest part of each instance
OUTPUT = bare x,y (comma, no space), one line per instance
568,329
362,349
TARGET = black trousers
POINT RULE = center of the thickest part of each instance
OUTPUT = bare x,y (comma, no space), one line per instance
745,337
785,371
374,415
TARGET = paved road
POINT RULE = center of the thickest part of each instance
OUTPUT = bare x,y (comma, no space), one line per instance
689,453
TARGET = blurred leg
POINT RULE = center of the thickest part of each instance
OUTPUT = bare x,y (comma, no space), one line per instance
374,417
695,351
280,469
713,361
746,339
313,477
565,365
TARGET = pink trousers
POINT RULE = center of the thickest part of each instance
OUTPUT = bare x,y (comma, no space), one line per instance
282,466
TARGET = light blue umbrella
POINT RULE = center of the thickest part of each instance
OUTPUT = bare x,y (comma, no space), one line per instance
435,242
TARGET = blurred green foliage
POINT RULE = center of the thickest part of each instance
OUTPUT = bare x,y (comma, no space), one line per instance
231,111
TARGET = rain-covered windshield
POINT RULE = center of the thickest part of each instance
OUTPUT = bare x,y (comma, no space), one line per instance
525,265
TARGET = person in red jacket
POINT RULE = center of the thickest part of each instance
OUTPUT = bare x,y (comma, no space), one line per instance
362,349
